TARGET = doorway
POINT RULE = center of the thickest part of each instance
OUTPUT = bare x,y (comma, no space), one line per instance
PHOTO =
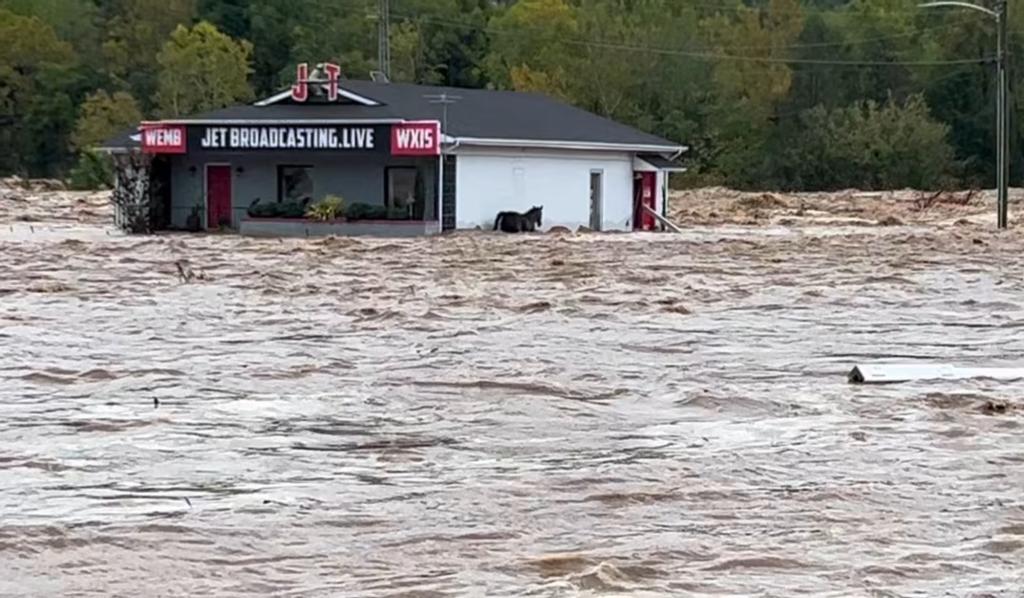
643,196
218,195
160,193
596,193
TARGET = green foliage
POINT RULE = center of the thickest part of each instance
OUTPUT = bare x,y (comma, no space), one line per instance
365,211
330,207
869,146
230,16
92,171
529,49
76,22
736,80
136,32
35,110
280,209
102,116
202,69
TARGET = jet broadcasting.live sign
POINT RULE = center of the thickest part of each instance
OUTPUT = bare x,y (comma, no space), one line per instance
291,137
410,138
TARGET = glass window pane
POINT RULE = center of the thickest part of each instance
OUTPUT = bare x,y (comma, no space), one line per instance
295,183
402,198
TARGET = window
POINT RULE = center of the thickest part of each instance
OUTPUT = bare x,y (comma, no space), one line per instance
596,191
294,183
401,194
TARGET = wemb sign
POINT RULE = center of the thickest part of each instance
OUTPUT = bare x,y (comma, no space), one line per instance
164,139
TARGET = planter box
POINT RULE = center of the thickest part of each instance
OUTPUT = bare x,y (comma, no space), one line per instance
302,227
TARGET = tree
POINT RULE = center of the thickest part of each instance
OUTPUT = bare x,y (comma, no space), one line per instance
408,60
230,16
74,21
102,116
137,30
202,69
272,30
32,60
445,39
747,91
868,146
346,36
529,43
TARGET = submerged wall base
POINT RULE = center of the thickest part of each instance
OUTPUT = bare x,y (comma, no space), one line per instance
298,227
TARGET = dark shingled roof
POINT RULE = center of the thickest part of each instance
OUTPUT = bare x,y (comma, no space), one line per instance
121,141
662,162
477,113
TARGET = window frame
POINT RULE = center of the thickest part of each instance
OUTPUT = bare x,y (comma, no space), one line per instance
280,180
387,185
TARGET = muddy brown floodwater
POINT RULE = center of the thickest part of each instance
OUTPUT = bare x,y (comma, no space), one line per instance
477,415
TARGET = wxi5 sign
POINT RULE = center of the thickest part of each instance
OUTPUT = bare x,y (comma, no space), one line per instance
416,139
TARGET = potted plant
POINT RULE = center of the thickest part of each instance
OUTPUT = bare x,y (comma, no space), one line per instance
331,207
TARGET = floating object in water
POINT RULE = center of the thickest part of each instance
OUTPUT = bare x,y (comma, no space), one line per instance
664,221
908,372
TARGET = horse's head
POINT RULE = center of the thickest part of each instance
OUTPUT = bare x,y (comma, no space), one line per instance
535,214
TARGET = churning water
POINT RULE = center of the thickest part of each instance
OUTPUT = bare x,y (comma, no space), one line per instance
636,415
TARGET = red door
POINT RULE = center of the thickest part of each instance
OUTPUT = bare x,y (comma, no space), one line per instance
644,195
218,196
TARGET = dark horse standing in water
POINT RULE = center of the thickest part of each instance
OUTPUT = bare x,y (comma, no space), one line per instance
514,222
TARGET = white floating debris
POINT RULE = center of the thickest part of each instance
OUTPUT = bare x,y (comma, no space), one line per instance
892,373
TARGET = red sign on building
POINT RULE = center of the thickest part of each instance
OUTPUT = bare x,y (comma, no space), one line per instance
416,139
327,73
164,139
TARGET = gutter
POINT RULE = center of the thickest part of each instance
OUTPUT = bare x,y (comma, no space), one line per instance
268,122
570,145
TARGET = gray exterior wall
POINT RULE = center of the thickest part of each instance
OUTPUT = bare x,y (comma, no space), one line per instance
358,178
270,227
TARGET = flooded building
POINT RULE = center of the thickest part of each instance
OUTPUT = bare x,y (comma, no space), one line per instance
404,160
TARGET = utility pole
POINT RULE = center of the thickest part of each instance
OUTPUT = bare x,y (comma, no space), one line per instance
384,37
1002,102
1004,117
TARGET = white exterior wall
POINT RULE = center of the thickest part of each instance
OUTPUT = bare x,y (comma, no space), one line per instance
492,180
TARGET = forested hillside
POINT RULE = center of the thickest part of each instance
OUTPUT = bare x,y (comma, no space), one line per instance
818,94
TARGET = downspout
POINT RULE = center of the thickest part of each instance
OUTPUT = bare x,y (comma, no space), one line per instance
440,184
440,190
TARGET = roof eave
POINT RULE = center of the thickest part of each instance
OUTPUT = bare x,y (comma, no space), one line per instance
570,145
280,121
342,92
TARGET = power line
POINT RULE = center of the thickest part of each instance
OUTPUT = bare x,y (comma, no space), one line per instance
853,42
926,84
802,11
710,55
